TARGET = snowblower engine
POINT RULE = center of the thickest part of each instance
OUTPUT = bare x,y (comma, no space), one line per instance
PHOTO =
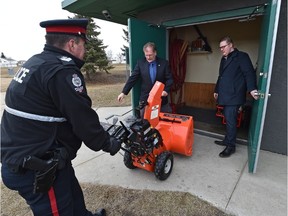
143,147
139,138
143,138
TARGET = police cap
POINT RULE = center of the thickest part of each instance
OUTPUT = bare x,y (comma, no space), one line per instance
75,27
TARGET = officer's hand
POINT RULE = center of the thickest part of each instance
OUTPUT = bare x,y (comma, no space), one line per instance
113,146
215,95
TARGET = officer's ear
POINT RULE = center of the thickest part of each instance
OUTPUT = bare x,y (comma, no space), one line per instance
71,43
69,46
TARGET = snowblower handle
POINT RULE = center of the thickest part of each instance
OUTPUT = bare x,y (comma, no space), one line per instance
107,118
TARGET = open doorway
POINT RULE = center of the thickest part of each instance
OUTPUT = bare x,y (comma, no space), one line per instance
202,68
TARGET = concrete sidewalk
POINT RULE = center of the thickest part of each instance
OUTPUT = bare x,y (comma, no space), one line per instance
223,182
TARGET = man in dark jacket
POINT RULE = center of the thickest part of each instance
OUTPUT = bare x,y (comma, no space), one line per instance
47,116
150,69
236,77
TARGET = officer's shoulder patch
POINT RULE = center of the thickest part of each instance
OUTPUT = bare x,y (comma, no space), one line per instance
65,58
77,82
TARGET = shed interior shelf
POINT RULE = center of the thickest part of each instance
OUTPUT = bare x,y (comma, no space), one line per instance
198,52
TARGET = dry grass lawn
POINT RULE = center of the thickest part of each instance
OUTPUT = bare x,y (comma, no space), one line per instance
119,201
103,90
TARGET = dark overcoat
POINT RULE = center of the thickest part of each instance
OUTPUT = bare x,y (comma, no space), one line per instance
236,77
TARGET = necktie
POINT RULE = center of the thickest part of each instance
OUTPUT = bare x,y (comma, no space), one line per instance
152,72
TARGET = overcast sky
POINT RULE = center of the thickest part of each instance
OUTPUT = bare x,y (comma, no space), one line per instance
21,36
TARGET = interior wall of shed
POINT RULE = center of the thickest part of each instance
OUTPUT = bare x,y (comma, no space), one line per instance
203,67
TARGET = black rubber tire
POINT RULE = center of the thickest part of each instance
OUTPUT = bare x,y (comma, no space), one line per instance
128,160
164,165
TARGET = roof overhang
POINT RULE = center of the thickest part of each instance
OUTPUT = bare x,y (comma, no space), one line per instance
117,11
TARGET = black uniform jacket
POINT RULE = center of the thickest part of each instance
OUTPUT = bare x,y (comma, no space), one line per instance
49,84
236,77
141,71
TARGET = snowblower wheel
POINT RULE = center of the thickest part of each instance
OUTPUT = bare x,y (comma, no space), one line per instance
164,165
128,160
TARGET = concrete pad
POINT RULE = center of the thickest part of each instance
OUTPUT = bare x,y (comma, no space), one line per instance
84,155
207,175
120,112
265,192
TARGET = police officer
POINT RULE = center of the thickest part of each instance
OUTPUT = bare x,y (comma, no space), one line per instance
47,116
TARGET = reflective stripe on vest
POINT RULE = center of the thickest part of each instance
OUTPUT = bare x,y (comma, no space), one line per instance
34,116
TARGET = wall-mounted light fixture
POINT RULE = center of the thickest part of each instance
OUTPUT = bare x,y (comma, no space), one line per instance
107,14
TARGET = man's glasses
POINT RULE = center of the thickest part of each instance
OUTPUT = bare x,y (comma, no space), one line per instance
223,47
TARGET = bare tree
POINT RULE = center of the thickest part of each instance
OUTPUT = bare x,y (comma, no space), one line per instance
120,57
109,54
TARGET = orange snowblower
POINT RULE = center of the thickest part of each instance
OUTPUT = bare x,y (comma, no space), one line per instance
150,141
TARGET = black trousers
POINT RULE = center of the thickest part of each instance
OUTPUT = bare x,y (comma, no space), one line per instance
65,198
230,114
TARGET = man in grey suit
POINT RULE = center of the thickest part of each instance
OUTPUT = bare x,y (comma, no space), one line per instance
150,69
236,77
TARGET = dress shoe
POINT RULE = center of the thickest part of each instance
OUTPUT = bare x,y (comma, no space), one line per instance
100,212
218,142
227,152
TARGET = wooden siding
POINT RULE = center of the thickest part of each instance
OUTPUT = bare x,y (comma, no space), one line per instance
199,95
